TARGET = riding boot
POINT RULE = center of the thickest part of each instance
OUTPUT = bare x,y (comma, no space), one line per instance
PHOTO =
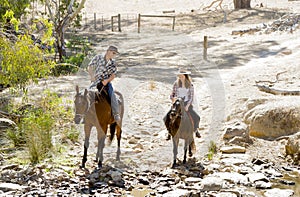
168,137
197,133
114,104
196,120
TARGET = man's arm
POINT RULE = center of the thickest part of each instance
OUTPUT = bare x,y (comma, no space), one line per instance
91,73
106,81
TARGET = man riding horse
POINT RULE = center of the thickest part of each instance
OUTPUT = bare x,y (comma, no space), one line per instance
102,70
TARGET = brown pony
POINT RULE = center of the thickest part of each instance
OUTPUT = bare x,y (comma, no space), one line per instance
181,127
95,110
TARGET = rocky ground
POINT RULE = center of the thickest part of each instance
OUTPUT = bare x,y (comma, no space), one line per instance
249,46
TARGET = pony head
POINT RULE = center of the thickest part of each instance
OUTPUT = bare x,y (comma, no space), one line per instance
177,107
81,104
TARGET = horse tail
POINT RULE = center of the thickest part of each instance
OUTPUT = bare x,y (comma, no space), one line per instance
193,147
112,129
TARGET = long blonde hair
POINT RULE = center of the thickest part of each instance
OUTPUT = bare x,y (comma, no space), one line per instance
187,81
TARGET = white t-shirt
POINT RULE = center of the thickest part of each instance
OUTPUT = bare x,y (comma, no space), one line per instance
183,93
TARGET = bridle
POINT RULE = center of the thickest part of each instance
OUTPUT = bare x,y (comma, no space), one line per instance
88,107
175,111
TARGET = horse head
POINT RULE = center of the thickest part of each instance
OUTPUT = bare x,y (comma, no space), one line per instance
81,103
177,108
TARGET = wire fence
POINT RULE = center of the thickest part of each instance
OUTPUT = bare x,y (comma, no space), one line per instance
125,22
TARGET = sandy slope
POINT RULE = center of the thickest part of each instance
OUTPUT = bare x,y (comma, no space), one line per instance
112,7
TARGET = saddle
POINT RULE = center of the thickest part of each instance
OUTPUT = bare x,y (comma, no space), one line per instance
102,91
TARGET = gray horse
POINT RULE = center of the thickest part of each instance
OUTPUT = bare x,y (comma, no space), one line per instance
94,108
180,125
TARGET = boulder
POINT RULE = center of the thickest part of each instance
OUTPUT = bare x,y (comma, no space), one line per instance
292,147
274,119
237,132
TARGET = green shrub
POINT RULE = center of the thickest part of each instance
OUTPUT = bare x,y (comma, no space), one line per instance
212,149
50,117
38,129
21,63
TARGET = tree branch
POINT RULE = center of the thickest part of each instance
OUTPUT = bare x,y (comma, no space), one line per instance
278,91
267,88
220,4
272,82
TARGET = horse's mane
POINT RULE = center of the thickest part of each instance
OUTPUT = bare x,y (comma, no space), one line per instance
94,95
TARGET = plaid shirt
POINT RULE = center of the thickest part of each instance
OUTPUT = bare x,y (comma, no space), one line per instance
189,96
103,69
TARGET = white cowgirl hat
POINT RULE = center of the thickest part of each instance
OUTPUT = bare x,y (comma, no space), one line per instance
183,71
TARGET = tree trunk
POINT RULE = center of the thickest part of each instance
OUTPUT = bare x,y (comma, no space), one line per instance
60,42
241,4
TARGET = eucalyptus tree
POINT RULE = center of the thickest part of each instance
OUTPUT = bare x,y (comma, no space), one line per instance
62,13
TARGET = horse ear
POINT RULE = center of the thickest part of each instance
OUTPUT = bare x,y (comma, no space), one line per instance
77,89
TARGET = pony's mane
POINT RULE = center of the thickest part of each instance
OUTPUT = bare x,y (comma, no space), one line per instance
94,95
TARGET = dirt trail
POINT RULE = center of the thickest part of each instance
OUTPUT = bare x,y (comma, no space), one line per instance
147,66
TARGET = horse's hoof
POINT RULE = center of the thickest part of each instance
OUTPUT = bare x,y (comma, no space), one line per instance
190,154
82,167
174,165
184,161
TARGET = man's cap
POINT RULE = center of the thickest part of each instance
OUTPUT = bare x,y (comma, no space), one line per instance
183,71
113,48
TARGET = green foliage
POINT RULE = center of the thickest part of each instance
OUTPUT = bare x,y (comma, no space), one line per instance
16,6
16,136
40,124
78,48
63,9
9,17
22,63
212,149
37,127
46,33
71,134
63,69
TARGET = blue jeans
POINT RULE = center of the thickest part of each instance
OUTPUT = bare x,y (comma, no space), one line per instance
113,99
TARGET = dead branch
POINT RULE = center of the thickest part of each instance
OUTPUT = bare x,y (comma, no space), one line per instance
274,91
13,117
272,82
220,4
7,122
267,88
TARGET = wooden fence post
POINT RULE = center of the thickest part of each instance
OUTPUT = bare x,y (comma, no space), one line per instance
205,46
119,22
112,23
95,21
139,23
173,27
